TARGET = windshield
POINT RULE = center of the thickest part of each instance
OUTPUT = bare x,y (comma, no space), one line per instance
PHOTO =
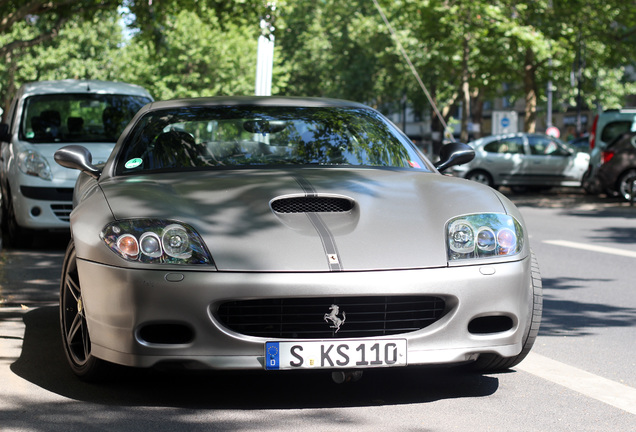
229,137
82,118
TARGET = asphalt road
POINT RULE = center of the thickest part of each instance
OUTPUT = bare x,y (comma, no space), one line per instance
579,377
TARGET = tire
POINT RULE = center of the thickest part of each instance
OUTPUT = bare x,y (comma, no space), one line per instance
75,335
497,363
482,177
13,234
624,184
589,187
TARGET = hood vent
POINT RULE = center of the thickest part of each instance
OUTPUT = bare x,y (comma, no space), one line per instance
312,204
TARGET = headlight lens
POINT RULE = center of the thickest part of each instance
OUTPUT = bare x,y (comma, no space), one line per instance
33,163
155,241
482,236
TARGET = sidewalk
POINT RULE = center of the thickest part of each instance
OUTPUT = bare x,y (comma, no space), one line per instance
566,198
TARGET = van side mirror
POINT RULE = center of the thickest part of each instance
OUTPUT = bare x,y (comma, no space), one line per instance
454,154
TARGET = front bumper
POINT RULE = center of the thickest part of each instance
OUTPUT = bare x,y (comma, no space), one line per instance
120,303
43,207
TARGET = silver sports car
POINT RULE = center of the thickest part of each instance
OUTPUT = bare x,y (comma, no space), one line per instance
288,234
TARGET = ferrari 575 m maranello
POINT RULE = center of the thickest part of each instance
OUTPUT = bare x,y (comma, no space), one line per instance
289,234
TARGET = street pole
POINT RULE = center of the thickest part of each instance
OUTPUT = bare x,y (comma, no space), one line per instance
265,53
548,121
549,109
579,84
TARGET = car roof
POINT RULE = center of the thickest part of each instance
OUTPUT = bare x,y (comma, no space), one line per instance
82,86
288,101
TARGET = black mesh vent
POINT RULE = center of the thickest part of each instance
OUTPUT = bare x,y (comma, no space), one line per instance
304,318
311,205
62,211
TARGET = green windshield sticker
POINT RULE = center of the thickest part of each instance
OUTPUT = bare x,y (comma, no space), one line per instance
134,163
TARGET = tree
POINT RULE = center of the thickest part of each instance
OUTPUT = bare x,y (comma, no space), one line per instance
29,24
465,51
542,30
196,55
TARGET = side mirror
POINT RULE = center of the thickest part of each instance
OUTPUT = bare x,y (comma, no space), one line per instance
454,154
77,157
4,133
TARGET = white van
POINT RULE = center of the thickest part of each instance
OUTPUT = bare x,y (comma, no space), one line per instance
37,193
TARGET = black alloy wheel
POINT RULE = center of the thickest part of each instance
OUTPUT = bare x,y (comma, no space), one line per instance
75,335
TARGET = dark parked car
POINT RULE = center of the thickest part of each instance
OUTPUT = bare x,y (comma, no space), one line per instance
286,233
607,126
581,144
617,174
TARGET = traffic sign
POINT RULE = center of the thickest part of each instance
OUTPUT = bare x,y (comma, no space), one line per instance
504,122
553,131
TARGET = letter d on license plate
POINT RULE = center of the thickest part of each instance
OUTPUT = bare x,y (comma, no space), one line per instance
340,354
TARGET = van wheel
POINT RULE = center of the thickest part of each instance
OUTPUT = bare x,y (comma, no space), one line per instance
13,234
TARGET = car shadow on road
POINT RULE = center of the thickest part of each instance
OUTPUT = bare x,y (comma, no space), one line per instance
575,318
42,363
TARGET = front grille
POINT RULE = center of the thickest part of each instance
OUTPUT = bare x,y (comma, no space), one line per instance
311,205
304,318
62,211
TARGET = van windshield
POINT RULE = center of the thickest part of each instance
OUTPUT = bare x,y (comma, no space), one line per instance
77,117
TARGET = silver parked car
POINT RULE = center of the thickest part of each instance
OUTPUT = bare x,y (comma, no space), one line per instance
289,234
522,159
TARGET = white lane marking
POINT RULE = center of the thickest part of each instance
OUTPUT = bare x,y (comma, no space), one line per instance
602,389
592,248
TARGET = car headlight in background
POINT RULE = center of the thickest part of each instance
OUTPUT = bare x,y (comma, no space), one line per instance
33,163
483,235
155,241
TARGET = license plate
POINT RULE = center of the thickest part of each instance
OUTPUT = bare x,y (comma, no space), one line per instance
333,355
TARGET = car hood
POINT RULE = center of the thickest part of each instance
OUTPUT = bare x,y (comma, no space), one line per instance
397,220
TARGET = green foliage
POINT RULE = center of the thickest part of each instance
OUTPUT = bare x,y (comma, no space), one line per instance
196,57
85,49
329,48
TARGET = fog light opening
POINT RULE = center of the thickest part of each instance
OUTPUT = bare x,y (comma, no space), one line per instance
36,211
166,334
490,324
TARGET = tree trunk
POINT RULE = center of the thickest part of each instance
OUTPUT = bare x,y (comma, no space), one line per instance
9,88
478,108
530,88
463,137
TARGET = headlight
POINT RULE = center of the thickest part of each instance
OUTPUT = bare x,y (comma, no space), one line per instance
482,236
33,163
155,241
